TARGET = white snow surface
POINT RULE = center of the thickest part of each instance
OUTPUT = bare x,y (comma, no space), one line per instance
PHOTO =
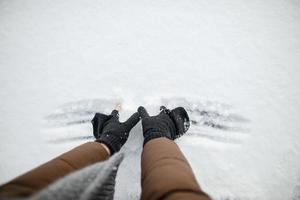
238,60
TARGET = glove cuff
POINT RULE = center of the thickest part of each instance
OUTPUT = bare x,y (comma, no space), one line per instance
111,142
154,135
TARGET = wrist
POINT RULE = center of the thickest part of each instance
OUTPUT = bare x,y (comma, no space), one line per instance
110,144
154,135
105,147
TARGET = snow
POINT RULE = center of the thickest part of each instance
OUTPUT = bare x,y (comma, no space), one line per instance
59,59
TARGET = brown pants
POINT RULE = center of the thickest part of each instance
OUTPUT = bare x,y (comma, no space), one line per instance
166,173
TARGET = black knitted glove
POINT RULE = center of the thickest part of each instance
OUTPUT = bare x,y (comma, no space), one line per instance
109,130
168,123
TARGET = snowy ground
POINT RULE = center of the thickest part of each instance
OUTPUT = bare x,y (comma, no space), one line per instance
234,64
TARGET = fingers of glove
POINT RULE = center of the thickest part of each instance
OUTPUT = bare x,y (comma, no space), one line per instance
97,122
115,114
143,112
132,121
181,119
164,110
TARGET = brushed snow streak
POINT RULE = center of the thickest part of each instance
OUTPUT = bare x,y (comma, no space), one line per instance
216,117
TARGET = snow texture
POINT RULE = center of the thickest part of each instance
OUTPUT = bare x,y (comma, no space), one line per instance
233,64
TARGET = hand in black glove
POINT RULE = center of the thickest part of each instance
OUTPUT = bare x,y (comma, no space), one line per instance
168,123
108,130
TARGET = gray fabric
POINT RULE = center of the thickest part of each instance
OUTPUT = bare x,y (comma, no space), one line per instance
90,183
